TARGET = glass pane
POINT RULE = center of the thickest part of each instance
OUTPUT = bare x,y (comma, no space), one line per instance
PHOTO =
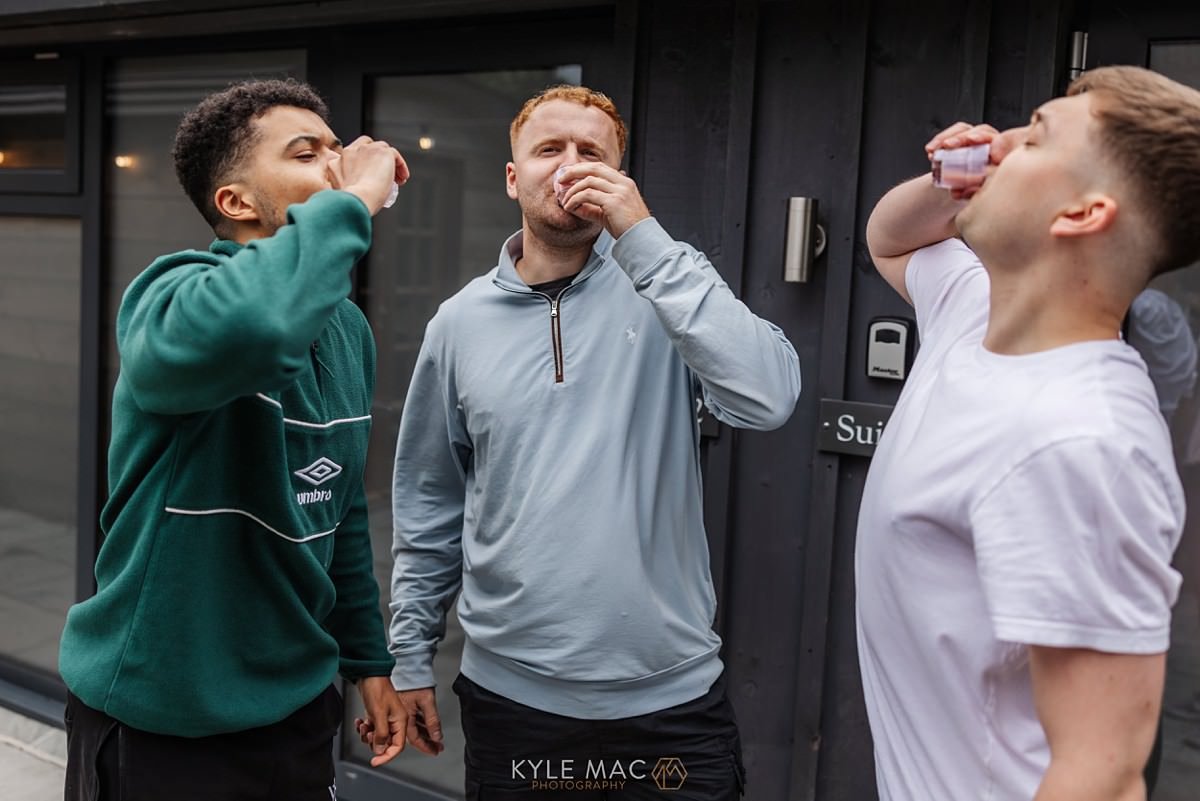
39,402
445,229
1179,61
1162,325
1168,316
33,121
147,212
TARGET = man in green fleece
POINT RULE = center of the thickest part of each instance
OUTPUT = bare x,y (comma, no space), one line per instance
235,577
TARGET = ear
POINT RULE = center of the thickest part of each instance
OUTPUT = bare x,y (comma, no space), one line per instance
1094,214
510,179
235,202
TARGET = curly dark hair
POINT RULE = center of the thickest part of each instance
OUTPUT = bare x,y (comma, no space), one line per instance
216,135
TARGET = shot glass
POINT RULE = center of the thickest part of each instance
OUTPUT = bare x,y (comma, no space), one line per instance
391,198
560,188
960,167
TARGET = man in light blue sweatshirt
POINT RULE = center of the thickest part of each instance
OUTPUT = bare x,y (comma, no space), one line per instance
548,465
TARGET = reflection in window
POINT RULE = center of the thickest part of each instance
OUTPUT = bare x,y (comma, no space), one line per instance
1179,770
33,108
1178,296
1163,325
446,228
39,399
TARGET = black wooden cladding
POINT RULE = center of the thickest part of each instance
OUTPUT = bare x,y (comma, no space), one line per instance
845,95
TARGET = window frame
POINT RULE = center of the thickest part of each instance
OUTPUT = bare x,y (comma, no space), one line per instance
50,180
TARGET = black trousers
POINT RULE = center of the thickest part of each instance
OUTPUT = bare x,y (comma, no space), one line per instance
689,752
291,759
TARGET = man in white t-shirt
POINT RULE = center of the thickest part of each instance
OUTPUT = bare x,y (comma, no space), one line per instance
1014,543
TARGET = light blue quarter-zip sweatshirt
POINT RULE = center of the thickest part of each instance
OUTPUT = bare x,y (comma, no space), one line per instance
548,464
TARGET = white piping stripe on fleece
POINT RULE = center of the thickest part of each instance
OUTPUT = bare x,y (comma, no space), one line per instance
279,405
174,510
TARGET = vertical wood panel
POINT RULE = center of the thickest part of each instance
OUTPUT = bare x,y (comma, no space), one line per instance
689,158
924,71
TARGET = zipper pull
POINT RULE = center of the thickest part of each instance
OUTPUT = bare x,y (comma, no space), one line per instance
314,348
554,308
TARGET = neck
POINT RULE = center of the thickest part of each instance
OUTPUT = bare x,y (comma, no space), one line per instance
541,261
1044,306
245,234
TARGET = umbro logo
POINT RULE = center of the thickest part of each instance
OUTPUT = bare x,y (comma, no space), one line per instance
320,471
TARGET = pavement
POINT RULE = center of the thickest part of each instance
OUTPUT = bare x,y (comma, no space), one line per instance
33,759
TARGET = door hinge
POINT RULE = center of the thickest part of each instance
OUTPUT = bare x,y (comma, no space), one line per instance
1078,62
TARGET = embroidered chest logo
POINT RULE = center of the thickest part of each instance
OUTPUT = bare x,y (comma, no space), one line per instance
320,471
631,334
317,474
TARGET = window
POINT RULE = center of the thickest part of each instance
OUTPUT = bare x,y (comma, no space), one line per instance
39,126
39,399
1179,61
1163,325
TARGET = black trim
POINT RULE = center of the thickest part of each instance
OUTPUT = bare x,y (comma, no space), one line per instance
19,205
32,693
121,22
92,345
359,782
1121,32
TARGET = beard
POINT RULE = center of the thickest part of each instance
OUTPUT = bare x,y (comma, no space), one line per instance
270,217
556,227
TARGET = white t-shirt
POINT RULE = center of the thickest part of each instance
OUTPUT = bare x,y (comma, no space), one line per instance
1012,501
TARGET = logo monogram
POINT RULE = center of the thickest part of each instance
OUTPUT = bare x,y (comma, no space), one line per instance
669,773
320,471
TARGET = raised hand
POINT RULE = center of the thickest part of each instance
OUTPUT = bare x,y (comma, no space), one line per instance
367,168
599,193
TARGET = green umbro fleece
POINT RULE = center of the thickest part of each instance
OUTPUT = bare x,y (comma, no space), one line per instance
235,577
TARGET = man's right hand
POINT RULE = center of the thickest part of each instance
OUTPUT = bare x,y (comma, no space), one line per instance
423,726
916,213
367,169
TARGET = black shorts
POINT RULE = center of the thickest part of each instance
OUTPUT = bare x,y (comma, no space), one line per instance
689,752
291,759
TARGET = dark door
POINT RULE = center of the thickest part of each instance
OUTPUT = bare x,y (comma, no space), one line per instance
844,97
1163,325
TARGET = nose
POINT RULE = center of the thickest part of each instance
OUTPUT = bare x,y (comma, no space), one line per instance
332,159
570,154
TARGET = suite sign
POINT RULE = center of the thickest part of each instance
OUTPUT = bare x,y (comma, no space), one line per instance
850,427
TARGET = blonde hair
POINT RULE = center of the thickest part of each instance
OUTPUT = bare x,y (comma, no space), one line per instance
1150,127
574,94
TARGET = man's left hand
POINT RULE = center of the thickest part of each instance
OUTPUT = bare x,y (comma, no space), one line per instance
603,194
385,713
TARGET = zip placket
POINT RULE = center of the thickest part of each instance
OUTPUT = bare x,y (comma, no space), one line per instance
556,337
555,324
556,331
